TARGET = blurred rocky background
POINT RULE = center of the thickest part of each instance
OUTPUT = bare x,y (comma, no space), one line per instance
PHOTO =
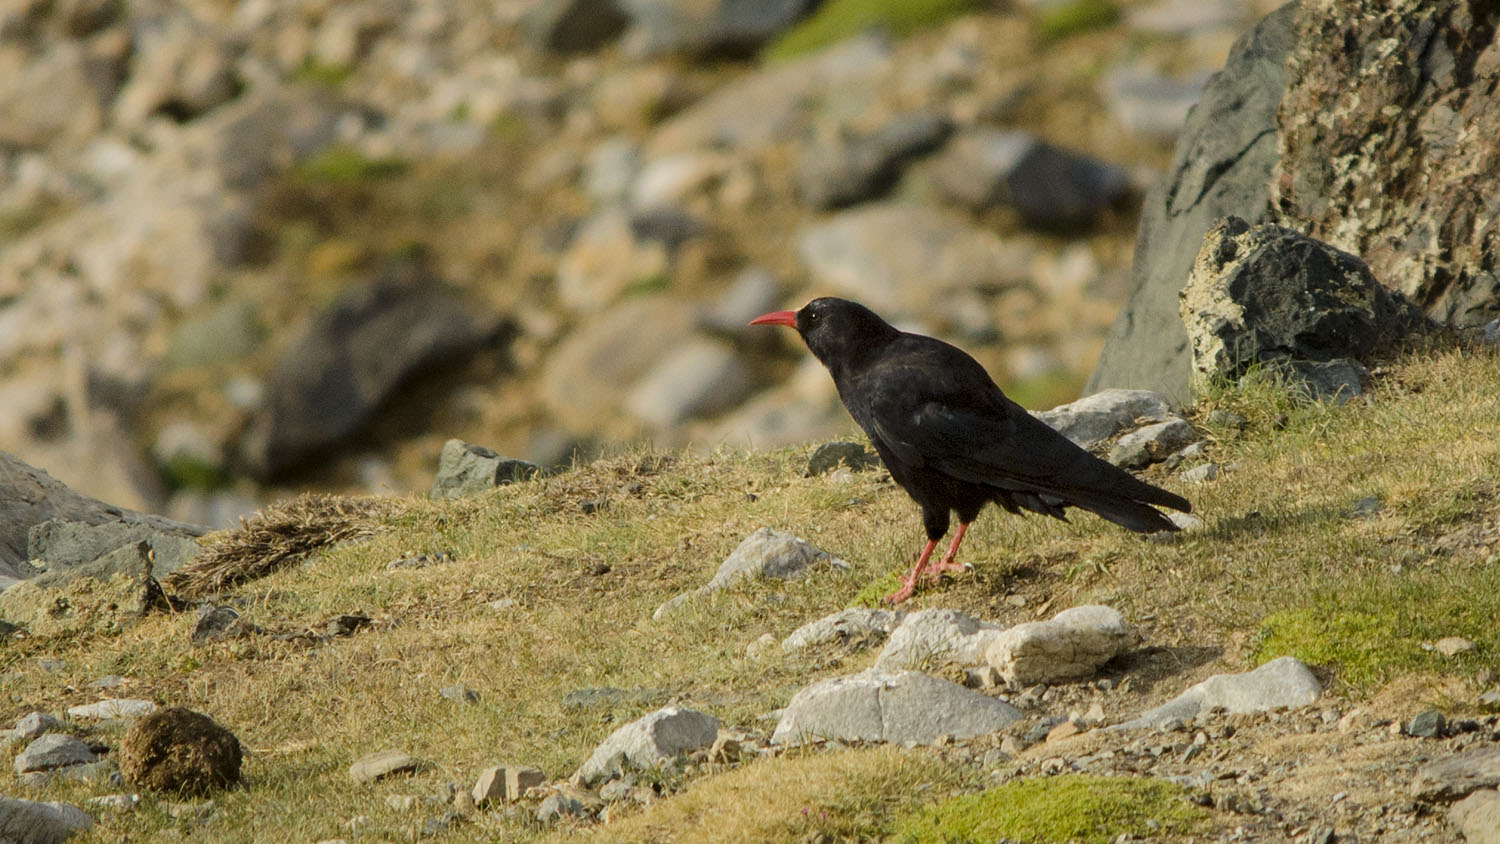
253,246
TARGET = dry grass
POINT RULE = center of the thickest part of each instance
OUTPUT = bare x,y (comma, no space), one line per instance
577,589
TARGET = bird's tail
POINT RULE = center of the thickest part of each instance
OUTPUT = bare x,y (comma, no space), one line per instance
1128,512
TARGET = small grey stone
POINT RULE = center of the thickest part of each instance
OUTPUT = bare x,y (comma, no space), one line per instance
382,764
926,639
558,806
108,681
465,469
28,822
766,553
1070,645
1335,380
1427,724
851,625
1228,419
1455,777
1049,186
1453,645
220,623
1152,443
459,692
649,742
116,802
1478,817
34,724
829,456
599,698
1095,418
616,790
1367,507
1490,333
438,825
52,751
1202,473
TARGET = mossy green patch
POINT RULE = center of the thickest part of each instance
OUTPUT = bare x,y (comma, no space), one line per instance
342,165
837,20
1379,628
1058,809
1054,23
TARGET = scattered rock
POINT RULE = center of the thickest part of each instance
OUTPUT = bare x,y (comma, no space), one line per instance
1267,293
725,28
178,751
351,358
382,764
465,469
1093,419
1478,817
1455,777
766,553
830,456
1335,380
116,802
52,751
1049,186
220,623
1428,723
505,782
573,26
926,639
1281,683
1072,644
895,707
28,822
558,806
460,693
1453,645
649,742
1228,419
113,709
1151,444
34,724
1203,473
864,626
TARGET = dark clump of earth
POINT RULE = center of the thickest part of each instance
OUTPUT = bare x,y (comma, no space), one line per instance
179,751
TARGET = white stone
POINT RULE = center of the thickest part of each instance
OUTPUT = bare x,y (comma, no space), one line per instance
1070,645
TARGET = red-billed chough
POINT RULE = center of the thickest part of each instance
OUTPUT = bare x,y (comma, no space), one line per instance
952,440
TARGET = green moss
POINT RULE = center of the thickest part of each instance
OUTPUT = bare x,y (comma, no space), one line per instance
184,472
318,73
1374,630
837,20
343,165
1055,23
1048,390
873,594
1058,809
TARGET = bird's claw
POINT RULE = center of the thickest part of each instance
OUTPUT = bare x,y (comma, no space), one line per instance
908,586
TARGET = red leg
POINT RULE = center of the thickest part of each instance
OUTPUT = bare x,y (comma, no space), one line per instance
947,563
909,583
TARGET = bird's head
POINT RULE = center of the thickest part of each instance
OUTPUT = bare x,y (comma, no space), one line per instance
837,331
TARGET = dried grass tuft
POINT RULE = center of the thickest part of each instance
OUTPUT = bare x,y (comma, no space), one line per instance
281,535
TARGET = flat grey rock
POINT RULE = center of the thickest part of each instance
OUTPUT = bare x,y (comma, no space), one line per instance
1457,776
1151,444
1478,817
889,706
1095,418
466,469
766,553
1281,683
382,764
72,549
52,751
559,806
851,625
33,724
29,822
114,708
1070,645
649,742
926,639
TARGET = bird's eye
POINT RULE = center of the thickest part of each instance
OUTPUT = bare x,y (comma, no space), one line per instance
812,316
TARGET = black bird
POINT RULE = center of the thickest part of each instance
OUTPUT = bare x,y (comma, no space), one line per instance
952,440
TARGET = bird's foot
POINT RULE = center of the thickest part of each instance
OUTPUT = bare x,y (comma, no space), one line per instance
948,565
908,586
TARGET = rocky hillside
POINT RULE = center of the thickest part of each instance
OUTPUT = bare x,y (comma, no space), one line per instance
247,247
661,647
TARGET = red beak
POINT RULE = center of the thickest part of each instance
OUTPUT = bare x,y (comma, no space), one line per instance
777,318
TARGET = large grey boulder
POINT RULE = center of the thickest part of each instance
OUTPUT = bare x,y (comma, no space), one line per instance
351,359
1281,683
890,706
1221,166
1478,817
77,549
650,742
30,822
29,497
1267,294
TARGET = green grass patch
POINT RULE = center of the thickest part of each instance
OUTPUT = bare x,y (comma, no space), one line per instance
1062,809
342,165
1055,23
319,73
1373,631
837,20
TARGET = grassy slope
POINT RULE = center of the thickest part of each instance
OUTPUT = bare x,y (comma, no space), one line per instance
1357,595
